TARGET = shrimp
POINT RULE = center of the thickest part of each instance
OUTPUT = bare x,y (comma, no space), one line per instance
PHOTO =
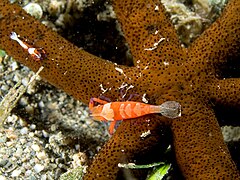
115,111
36,53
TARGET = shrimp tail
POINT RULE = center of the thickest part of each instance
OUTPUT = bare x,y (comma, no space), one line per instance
170,109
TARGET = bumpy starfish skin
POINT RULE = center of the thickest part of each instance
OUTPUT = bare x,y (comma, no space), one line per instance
163,71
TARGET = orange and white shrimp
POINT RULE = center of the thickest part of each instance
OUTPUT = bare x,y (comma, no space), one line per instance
36,53
115,111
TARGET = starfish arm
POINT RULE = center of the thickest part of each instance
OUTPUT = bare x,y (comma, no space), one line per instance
132,139
222,39
199,147
225,92
75,71
148,31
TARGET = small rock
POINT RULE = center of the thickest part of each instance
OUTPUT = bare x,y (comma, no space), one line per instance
29,109
22,141
32,126
32,177
23,101
4,87
16,173
22,122
24,130
3,162
52,105
34,9
41,104
3,139
44,177
35,147
8,165
14,66
31,134
24,159
25,81
18,152
53,127
38,168
77,147
41,155
45,133
16,78
9,143
2,177
10,119
28,173
57,174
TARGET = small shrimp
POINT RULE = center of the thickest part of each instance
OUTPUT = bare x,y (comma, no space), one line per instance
115,111
36,53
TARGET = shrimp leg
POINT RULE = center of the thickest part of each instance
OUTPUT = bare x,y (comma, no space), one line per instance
92,100
98,100
111,127
91,105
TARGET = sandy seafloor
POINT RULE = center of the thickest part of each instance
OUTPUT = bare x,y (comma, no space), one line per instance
48,132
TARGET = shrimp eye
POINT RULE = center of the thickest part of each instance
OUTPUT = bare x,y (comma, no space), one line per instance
42,54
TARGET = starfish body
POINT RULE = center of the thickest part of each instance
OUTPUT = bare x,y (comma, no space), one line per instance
164,71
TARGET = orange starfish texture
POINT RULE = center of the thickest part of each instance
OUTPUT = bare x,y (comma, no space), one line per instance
163,71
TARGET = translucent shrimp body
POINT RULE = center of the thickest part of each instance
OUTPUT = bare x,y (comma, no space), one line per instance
36,53
115,111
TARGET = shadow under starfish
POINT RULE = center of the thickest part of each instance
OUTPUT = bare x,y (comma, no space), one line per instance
163,71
